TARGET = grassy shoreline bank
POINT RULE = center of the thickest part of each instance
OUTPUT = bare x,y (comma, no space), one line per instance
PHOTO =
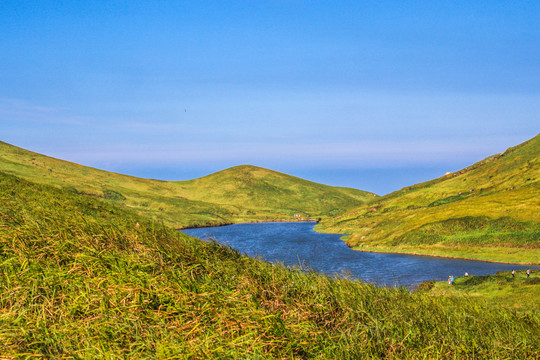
246,222
497,290
503,255
494,257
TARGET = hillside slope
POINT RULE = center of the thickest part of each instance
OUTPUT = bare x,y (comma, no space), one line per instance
239,194
488,211
267,189
83,278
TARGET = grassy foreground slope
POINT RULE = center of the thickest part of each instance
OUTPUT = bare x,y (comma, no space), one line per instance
239,194
488,211
83,278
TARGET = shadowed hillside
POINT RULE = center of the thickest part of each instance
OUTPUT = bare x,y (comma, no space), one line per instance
239,194
489,211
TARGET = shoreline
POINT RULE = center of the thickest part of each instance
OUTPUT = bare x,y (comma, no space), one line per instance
246,222
371,250
536,266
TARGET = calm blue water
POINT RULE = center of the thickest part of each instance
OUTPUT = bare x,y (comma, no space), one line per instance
297,243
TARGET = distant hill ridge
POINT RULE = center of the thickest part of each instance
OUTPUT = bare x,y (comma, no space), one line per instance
496,172
489,211
240,194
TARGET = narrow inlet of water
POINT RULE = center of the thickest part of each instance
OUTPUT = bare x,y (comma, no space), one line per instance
298,244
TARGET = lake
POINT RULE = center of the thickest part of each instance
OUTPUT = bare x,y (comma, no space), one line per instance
297,243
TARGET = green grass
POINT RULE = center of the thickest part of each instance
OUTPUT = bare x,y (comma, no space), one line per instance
501,289
84,278
239,194
498,196
488,211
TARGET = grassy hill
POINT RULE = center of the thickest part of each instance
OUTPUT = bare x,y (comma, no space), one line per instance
82,277
240,194
488,211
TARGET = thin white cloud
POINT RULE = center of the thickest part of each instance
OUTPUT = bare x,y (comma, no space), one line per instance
24,112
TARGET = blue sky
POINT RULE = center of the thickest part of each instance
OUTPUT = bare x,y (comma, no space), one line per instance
375,95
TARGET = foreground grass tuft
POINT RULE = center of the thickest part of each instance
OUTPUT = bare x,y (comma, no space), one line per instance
82,278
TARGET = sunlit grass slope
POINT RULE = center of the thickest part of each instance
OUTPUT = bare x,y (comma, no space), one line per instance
83,278
502,289
488,211
239,194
